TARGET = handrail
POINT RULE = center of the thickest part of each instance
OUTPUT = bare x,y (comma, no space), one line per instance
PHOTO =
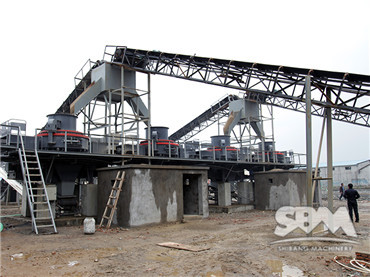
8,122
42,179
24,165
81,71
111,55
251,155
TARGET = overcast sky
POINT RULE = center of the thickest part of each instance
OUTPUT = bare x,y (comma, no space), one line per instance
45,43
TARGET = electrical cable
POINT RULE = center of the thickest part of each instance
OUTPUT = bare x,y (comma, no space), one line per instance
349,267
359,265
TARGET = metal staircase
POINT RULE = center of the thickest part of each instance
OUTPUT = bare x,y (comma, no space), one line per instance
38,200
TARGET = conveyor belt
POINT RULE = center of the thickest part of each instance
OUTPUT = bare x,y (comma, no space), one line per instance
347,94
196,124
85,82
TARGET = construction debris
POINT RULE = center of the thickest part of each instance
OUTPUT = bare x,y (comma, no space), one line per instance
183,246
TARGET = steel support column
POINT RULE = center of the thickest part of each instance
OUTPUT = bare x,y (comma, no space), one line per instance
110,147
329,146
315,182
149,119
122,111
263,138
308,141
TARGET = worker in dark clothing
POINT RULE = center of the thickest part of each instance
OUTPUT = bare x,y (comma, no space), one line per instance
341,191
352,195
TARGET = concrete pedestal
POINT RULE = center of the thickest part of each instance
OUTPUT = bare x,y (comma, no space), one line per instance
245,193
278,188
155,193
224,194
89,195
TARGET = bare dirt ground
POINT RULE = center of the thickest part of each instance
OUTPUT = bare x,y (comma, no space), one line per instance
239,245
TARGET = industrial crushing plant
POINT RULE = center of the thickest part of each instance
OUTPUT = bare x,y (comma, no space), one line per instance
117,131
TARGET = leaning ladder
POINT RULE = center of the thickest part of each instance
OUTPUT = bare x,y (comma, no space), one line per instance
113,199
40,209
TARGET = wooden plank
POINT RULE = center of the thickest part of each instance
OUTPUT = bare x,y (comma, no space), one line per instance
183,246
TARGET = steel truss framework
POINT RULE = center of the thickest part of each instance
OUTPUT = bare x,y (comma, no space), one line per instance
203,121
117,124
202,125
106,116
348,95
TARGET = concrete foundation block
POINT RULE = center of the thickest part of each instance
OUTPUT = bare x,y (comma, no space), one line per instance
278,188
154,193
245,193
224,194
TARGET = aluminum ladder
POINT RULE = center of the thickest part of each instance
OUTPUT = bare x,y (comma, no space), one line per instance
38,200
113,199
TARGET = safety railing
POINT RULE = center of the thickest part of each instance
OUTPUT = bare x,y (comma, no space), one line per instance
299,159
110,50
205,151
88,65
119,145
72,141
13,131
10,134
134,146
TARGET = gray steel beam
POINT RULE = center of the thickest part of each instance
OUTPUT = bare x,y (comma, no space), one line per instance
329,159
308,142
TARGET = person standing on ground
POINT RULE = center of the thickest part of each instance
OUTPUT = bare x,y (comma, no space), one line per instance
352,195
341,191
